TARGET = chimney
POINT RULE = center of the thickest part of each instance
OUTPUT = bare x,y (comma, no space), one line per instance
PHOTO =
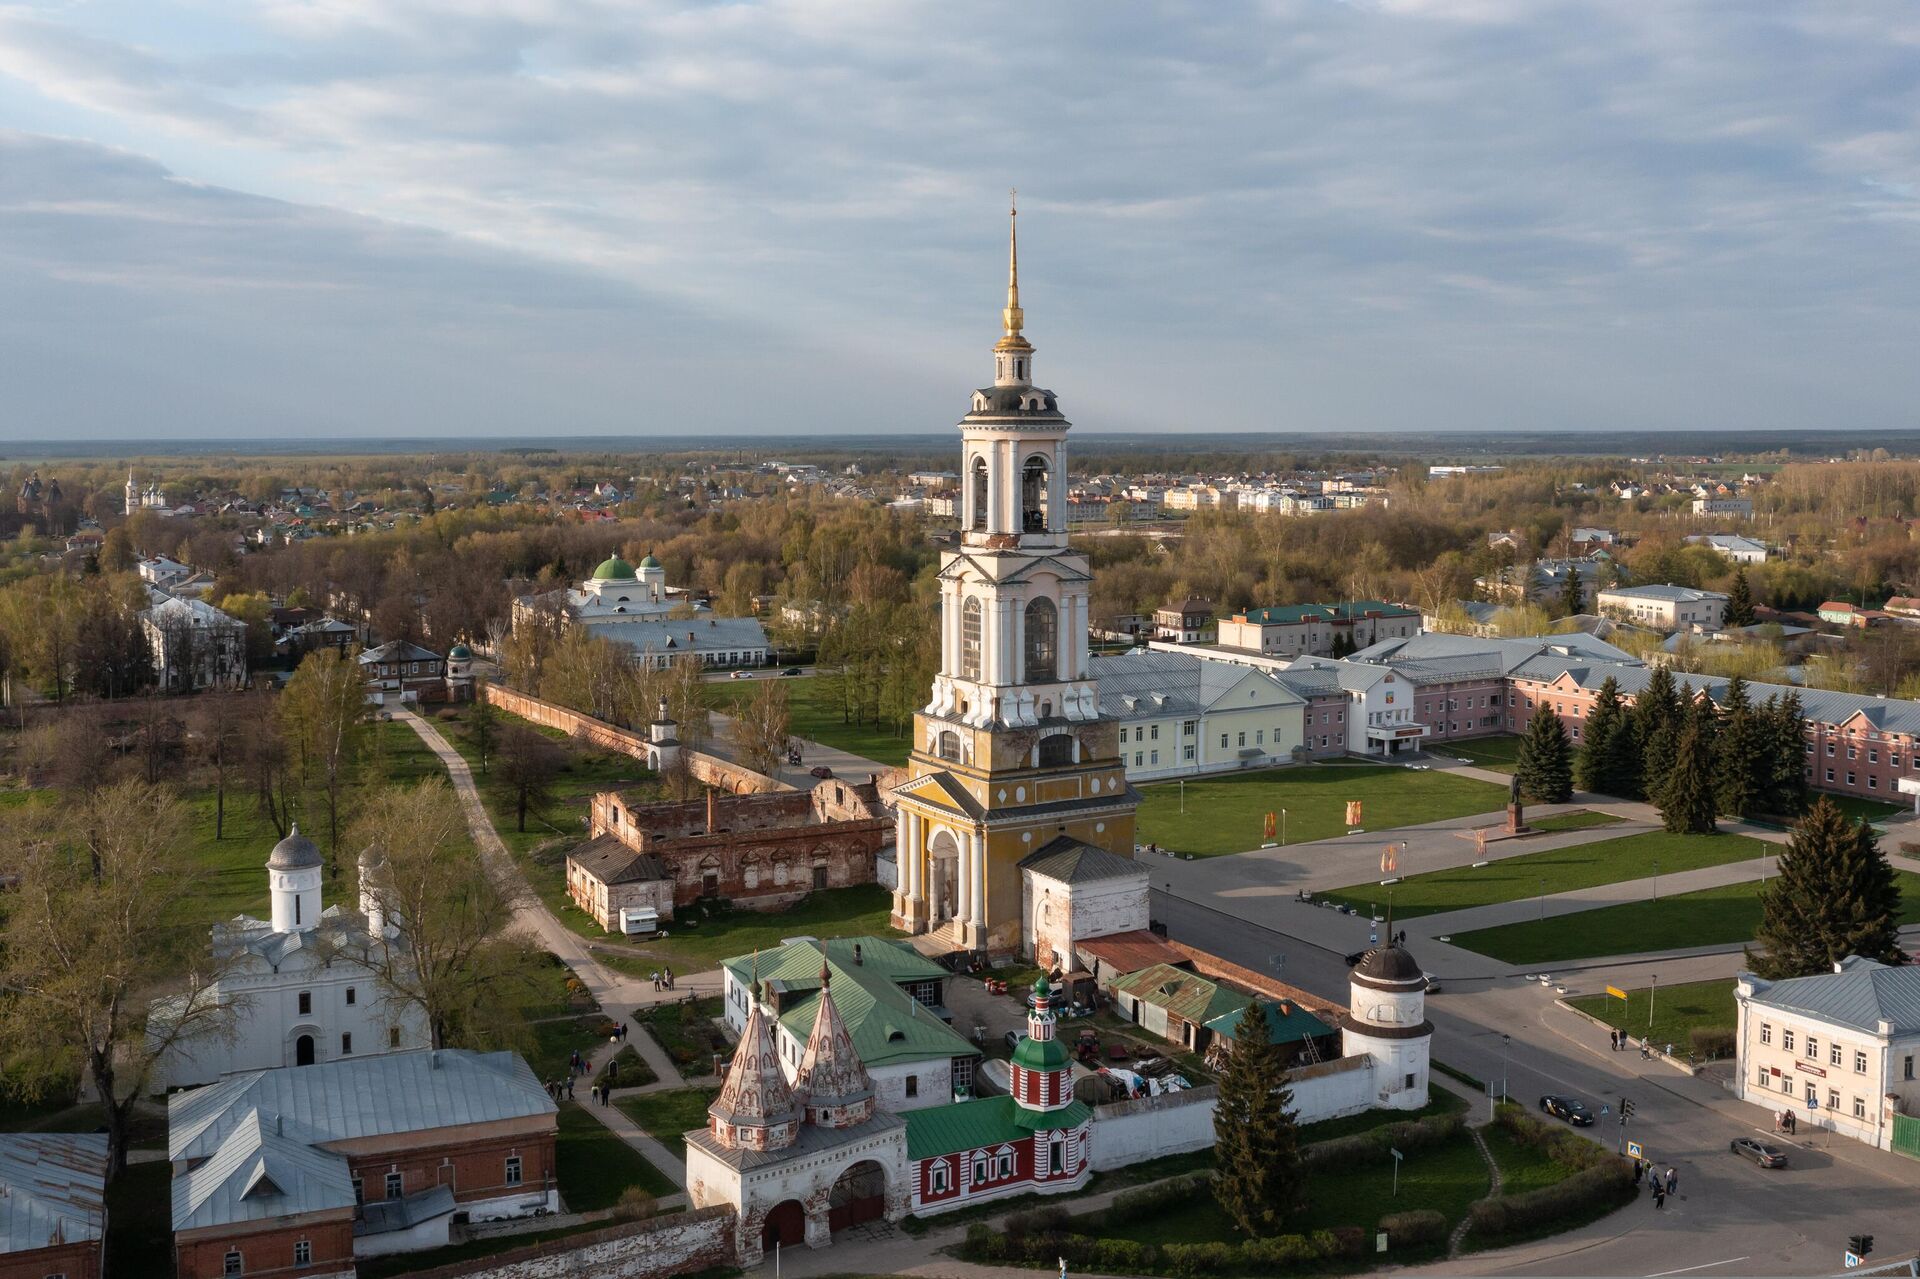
713,811
857,960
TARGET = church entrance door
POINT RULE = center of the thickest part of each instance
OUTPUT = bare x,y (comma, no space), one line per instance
303,1051
859,1195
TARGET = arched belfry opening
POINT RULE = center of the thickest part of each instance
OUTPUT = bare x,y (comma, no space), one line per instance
1034,486
1043,641
977,492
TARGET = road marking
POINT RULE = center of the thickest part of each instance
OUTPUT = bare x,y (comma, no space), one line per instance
1690,1269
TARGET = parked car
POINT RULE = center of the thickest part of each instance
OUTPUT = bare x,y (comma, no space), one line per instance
1013,1038
791,670
1759,1151
1433,984
821,771
1356,957
740,675
1571,1109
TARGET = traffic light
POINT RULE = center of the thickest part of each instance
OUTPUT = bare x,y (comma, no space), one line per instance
1860,1245
1626,1109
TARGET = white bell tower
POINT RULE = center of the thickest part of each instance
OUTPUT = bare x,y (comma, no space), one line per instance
293,880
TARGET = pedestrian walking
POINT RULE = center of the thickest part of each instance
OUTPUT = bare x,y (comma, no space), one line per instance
569,1087
656,979
1613,1040
669,976
1659,1196
1639,1171
1673,1180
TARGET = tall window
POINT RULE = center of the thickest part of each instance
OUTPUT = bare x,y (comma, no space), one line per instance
978,519
1056,748
232,1264
1043,627
513,1170
302,1253
970,639
1033,496
947,746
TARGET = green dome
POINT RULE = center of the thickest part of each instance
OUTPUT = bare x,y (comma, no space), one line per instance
649,562
459,653
1041,1054
614,569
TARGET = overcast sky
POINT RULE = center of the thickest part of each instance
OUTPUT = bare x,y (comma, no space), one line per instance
259,218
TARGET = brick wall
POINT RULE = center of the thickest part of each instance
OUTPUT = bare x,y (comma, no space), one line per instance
1220,970
476,1169
268,1249
675,1244
709,769
74,1260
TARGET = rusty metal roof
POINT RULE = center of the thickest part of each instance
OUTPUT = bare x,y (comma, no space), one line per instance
53,1188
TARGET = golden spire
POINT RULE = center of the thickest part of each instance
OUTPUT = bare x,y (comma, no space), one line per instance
1013,316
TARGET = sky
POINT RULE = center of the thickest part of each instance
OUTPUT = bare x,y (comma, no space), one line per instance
263,219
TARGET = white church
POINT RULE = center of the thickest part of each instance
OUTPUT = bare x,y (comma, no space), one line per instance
301,987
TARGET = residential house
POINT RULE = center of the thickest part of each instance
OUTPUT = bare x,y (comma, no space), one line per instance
194,645
1303,630
1665,607
1188,622
1741,550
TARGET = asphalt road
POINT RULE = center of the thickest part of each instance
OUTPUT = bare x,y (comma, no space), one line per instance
1729,1217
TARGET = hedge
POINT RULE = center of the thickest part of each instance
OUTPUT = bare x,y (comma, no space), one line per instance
1409,1229
1253,1256
1377,1146
1600,1177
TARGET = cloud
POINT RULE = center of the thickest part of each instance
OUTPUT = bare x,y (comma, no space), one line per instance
1300,213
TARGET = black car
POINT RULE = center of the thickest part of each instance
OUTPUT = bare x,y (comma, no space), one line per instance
791,670
1356,957
1759,1151
1571,1109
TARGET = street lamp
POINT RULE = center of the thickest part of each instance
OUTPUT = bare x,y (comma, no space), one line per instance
1505,1040
1651,992
1656,879
1543,901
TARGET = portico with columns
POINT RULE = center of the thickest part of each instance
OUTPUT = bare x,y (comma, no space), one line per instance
1010,751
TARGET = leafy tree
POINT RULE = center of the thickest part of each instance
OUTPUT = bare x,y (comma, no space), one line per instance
1740,760
1573,594
1258,1178
483,725
528,764
117,553
1686,796
1599,766
1740,600
1545,762
461,965
1835,896
324,714
104,882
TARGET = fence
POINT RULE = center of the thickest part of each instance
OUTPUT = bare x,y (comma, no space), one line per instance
710,769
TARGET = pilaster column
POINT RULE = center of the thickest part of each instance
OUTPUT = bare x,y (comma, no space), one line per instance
963,882
1017,667
916,857
978,898
900,856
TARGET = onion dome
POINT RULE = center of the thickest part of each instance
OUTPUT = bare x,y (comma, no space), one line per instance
459,653
649,562
613,569
295,852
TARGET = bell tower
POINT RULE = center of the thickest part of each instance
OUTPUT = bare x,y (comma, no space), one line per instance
1010,751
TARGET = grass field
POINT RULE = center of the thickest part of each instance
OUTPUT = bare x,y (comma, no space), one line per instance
1500,754
1677,1009
685,1032
1226,814
697,944
594,1166
1580,819
1711,917
1558,870
1870,809
815,718
666,1115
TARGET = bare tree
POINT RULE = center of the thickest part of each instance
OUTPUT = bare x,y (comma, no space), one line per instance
483,725
459,961
528,762
88,941
762,726
217,737
266,760
324,711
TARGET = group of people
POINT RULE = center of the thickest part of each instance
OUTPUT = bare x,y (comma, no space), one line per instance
562,1089
663,980
1662,1185
1621,1039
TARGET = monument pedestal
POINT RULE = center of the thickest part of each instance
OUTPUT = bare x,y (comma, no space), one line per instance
1516,819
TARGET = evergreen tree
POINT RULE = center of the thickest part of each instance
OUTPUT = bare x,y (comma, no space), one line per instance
1258,1178
1573,596
1783,789
1740,600
1545,763
1656,725
1594,770
1835,896
1741,770
1686,796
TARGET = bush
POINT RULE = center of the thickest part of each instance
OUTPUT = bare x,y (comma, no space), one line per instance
1711,1042
1410,1229
1264,1256
447,716
1377,1146
1609,1181
1038,1221
1124,1254
635,1202
1211,1258
1348,1241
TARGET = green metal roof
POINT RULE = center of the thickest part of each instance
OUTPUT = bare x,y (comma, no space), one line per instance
613,569
1038,1054
1185,995
885,1022
1327,612
981,1124
1282,1028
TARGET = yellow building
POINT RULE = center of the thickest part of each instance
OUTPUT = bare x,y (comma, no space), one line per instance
1011,754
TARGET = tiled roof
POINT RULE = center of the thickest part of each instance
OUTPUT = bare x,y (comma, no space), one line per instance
980,1124
1072,862
53,1188
1862,994
612,862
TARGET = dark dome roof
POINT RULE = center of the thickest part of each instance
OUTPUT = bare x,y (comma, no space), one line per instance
295,852
1389,963
998,400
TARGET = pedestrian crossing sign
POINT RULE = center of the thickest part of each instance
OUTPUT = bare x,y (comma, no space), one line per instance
1633,1150
1853,1260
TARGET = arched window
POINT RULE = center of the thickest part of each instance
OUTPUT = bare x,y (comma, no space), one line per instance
948,746
970,639
1043,634
1056,748
978,520
1033,495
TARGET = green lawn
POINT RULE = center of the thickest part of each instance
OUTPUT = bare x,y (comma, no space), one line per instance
1872,810
1558,870
1440,1101
669,1114
697,942
634,1071
595,1166
1226,814
686,1032
1500,754
1446,1178
1677,1009
551,1044
1580,819
813,717
1711,917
